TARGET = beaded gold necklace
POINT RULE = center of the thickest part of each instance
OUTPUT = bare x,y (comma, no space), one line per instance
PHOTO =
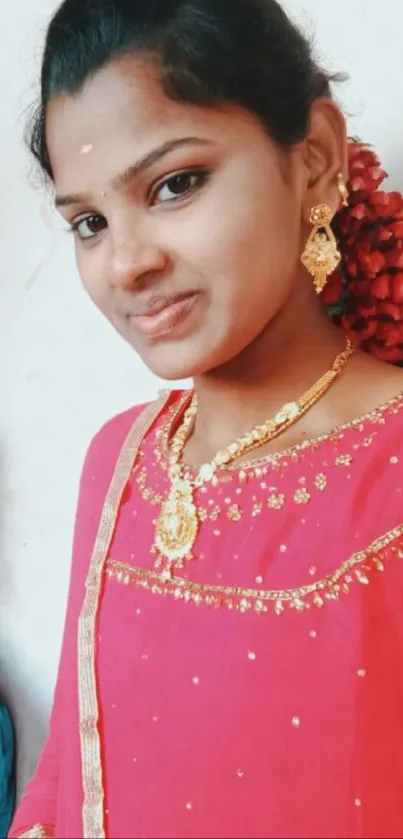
178,523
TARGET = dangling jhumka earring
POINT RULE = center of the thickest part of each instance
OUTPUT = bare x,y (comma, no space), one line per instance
321,255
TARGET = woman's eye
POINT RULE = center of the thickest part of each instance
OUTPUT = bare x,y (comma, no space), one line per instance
179,186
88,227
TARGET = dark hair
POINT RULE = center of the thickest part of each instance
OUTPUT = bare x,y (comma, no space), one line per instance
208,51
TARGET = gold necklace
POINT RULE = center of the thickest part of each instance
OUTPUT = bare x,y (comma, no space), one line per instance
178,523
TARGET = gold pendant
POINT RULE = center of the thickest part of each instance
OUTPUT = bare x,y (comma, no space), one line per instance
177,525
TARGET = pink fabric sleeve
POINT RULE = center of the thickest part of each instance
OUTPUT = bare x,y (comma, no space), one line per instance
36,813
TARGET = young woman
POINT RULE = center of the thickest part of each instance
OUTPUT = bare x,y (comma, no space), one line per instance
231,663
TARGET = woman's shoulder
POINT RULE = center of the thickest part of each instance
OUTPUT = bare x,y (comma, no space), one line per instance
99,467
369,404
113,431
105,446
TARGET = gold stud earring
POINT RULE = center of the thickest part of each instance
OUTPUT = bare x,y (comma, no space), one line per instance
342,189
321,256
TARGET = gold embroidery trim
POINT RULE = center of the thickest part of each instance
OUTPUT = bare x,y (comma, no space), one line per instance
38,831
357,568
91,764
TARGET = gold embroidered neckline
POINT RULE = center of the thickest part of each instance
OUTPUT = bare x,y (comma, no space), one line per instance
357,568
313,443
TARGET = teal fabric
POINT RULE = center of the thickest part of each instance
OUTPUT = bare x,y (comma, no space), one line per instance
7,776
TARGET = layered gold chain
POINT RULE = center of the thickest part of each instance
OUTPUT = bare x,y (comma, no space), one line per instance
178,523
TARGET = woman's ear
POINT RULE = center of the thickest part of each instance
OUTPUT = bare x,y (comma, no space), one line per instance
325,152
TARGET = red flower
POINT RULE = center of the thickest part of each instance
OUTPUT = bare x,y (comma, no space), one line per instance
387,204
371,263
366,173
380,287
333,289
395,258
367,292
396,229
388,334
389,312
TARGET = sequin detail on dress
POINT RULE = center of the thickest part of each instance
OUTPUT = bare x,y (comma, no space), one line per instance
358,568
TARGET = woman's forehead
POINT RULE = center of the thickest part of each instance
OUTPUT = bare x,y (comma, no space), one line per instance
123,112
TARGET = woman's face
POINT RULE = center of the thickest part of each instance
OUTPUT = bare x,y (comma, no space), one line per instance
187,220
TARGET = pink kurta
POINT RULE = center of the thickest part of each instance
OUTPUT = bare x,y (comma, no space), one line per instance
259,694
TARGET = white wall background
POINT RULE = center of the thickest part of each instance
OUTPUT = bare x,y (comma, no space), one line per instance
63,371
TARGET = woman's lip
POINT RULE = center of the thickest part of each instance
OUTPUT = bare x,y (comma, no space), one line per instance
165,320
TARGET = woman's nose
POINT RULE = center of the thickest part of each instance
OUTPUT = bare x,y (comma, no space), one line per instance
133,260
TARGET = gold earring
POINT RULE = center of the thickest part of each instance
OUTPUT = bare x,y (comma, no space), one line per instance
321,256
342,189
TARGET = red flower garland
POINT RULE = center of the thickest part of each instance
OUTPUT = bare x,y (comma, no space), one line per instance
365,294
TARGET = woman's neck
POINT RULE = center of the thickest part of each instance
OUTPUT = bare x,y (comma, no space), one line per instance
281,364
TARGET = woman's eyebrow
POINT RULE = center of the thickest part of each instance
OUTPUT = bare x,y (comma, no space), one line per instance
135,169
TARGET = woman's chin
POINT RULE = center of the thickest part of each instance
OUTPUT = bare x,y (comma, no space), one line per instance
175,363
171,371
